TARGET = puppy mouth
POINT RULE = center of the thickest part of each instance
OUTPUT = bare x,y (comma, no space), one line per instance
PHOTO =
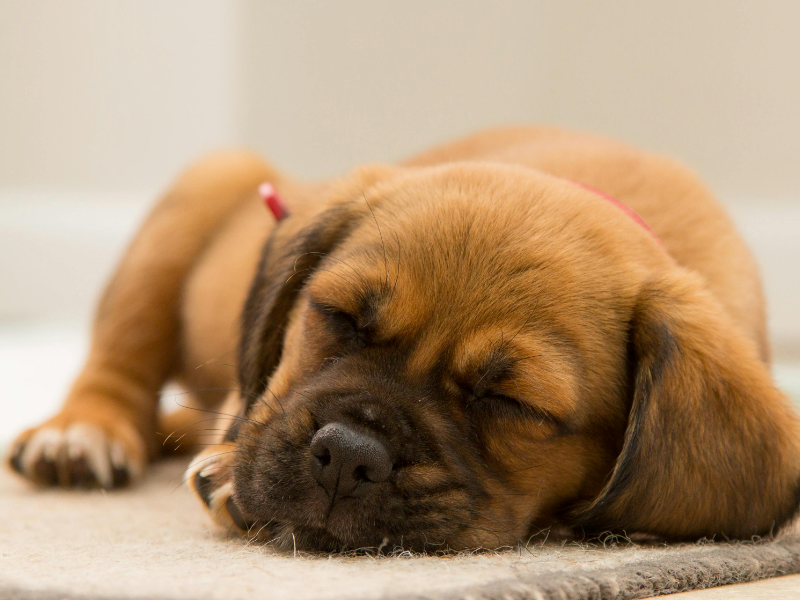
338,535
292,538
343,487
343,526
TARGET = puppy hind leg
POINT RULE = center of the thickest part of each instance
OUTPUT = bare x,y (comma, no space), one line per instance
106,430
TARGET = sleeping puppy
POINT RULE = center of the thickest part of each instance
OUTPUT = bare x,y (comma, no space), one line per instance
521,328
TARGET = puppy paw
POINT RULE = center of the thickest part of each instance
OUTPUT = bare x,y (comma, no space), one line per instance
210,478
80,452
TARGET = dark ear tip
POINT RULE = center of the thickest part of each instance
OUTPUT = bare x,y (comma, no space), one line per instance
586,519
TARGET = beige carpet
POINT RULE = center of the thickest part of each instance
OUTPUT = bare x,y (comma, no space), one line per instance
154,542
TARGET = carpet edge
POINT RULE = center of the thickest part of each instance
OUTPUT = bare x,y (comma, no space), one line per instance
696,570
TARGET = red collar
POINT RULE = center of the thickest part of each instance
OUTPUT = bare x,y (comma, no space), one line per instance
276,205
623,207
273,201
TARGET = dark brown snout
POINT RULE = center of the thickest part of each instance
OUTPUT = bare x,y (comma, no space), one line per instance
347,462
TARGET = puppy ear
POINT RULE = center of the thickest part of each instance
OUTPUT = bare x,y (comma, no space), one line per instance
711,446
289,257
287,261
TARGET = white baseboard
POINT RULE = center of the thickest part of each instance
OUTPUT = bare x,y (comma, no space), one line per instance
57,249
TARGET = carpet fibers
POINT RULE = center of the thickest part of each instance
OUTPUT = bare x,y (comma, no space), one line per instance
154,542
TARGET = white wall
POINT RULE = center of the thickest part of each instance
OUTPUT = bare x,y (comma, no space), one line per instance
716,82
113,94
117,94
713,82
332,84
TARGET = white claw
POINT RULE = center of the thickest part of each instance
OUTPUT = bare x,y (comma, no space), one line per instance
118,457
90,442
220,496
204,464
52,442
44,443
121,460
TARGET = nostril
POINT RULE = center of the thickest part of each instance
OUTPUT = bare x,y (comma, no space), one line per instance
323,456
360,475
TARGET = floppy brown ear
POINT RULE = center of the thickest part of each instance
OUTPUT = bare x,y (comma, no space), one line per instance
711,446
288,259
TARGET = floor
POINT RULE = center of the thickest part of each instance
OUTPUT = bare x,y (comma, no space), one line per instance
784,588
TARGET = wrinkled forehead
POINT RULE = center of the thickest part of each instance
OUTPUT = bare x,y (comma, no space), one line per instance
439,266
430,262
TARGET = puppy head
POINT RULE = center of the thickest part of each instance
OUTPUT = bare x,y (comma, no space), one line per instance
453,357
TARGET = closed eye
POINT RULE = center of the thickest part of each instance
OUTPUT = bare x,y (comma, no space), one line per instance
343,325
502,406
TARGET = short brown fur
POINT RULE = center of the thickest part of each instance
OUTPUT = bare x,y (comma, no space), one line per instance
558,362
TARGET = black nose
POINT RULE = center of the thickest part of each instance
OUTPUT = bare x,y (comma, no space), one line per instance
346,462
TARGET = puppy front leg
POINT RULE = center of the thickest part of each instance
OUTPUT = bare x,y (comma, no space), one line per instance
106,430
210,474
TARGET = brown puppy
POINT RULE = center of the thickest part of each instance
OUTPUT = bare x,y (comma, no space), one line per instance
446,353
